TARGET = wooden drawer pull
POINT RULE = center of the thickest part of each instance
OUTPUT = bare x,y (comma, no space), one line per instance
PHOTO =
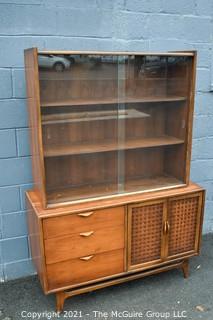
168,226
165,227
87,258
86,234
86,214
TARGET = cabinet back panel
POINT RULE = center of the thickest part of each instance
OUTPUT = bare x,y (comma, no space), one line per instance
75,133
79,170
144,163
62,90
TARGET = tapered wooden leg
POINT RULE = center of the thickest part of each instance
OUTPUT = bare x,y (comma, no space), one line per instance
60,297
185,268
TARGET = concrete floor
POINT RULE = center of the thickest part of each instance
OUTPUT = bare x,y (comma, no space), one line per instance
160,294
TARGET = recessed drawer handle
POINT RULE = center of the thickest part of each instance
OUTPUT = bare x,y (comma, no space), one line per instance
87,258
86,214
86,234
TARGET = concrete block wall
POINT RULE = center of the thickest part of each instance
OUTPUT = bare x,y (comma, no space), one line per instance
157,25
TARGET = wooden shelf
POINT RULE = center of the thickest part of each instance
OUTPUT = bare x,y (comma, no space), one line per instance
83,102
73,117
83,192
109,145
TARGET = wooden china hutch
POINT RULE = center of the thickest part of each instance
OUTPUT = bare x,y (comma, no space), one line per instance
111,136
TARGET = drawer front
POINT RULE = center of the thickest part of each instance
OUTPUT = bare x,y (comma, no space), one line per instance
82,222
84,269
84,243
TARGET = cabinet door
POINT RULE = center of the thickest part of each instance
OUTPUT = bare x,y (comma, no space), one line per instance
145,230
184,224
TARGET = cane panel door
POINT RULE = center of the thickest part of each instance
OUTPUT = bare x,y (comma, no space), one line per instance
184,214
146,233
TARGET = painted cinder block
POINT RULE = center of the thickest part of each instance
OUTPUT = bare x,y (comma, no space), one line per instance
202,148
9,199
80,24
108,4
170,45
165,26
14,224
204,103
13,113
14,249
5,83
208,221
22,1
204,57
23,189
208,186
15,171
7,143
204,7
72,43
197,28
143,5
202,170
72,4
18,269
203,79
23,143
19,85
131,26
203,126
29,19
12,49
1,230
131,45
2,279
178,7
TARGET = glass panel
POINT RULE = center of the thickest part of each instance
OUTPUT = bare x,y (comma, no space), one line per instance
79,95
113,124
154,141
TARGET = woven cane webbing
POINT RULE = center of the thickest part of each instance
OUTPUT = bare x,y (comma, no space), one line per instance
183,220
146,233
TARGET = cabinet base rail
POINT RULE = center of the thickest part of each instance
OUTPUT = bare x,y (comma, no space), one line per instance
63,295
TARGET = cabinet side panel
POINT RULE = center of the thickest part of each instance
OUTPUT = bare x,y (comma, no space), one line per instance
35,239
33,101
190,116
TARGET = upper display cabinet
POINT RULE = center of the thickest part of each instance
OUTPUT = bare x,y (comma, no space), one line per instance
107,124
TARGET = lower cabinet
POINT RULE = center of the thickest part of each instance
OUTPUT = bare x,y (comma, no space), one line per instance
85,250
163,230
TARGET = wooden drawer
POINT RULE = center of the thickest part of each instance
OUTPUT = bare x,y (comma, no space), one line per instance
82,222
77,271
81,244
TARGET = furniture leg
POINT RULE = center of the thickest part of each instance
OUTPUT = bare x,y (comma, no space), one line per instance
60,298
185,268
